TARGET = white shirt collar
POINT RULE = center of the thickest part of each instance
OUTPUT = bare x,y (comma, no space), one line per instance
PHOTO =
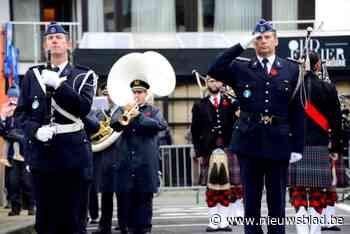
211,98
62,66
271,60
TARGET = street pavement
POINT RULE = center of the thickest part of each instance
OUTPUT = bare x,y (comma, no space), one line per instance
178,212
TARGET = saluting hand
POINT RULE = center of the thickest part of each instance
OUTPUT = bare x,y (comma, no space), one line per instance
249,41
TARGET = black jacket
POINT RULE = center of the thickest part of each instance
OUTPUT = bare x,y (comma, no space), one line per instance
137,163
262,94
69,150
324,98
204,125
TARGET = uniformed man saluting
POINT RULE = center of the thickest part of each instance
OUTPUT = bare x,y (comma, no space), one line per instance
270,129
57,145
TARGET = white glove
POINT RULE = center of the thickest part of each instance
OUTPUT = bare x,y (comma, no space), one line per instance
294,157
28,168
51,78
246,42
45,133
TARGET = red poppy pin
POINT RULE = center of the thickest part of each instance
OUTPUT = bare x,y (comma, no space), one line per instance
273,72
225,103
147,114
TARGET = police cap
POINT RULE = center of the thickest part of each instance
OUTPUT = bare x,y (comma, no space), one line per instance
53,28
263,26
139,85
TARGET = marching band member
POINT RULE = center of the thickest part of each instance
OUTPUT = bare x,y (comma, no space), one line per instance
269,132
211,128
50,109
104,174
311,175
137,162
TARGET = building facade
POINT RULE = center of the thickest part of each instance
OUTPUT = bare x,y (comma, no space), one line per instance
189,32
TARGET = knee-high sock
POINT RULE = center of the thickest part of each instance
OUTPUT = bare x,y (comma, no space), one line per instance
315,227
298,198
214,197
316,199
330,198
302,228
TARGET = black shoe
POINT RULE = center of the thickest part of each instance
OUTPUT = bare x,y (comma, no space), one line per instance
210,229
14,213
31,212
333,228
117,228
225,229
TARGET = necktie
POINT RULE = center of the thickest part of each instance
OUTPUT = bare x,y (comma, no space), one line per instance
216,103
55,69
265,61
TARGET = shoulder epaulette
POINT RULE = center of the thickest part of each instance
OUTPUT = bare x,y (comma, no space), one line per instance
294,60
41,66
82,67
243,59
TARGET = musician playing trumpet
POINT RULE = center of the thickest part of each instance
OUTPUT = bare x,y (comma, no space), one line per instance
137,162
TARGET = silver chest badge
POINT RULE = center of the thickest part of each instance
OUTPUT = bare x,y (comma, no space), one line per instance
247,93
35,104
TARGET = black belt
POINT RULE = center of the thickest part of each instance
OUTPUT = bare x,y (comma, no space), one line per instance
263,118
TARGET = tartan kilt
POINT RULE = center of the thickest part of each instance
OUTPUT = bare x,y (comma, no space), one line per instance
313,171
233,166
342,179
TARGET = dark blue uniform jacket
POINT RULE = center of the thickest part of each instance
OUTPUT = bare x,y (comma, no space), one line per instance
137,162
260,94
68,150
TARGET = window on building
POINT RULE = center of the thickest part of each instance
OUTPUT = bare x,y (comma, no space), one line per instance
109,15
236,15
285,10
180,16
205,15
153,16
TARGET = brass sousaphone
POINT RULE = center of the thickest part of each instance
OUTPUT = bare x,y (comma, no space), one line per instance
149,66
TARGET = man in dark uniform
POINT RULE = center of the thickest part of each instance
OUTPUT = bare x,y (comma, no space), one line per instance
270,129
104,173
137,162
50,108
313,174
211,128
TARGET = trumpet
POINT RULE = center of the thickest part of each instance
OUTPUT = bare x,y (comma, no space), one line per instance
125,118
